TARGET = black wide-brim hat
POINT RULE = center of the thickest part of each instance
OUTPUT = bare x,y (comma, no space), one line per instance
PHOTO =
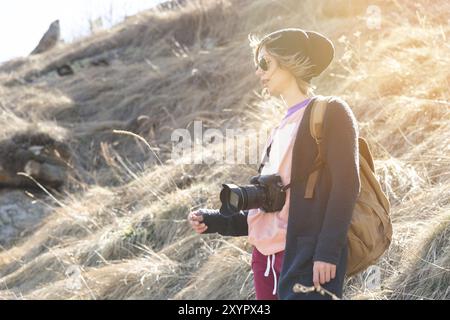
318,48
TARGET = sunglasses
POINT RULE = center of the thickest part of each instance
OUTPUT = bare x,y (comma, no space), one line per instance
263,64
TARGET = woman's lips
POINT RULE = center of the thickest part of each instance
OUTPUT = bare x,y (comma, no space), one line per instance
264,82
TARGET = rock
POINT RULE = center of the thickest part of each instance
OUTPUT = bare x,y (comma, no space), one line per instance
52,174
18,213
49,39
65,70
38,155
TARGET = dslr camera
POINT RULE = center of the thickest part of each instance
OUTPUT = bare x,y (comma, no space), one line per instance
265,191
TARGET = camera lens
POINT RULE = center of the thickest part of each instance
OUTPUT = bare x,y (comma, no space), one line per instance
231,199
265,192
235,198
256,196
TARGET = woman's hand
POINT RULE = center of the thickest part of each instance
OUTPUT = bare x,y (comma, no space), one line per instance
195,218
323,272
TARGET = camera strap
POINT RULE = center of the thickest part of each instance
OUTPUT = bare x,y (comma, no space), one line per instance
266,156
265,159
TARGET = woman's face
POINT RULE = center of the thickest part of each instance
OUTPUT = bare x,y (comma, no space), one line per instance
275,79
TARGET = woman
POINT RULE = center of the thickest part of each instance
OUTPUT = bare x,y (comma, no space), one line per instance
306,241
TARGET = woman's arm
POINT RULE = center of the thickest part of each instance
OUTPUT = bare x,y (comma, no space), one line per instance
234,225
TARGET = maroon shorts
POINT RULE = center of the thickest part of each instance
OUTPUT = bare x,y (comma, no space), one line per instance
266,273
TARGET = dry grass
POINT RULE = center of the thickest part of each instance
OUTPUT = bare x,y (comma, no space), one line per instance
425,273
118,231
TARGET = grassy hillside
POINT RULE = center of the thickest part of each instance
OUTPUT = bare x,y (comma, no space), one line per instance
118,229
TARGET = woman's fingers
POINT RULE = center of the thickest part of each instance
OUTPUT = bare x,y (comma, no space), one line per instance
322,275
327,273
198,224
323,272
191,215
316,272
196,221
201,228
198,218
195,216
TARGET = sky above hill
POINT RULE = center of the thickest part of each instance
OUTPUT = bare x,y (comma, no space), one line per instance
23,22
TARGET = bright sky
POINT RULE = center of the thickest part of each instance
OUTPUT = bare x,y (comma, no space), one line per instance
23,22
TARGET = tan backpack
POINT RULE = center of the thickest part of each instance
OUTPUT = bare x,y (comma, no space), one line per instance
370,231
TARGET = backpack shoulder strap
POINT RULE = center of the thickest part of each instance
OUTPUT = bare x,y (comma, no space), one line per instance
316,119
364,151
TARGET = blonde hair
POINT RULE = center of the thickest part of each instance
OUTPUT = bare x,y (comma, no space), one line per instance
298,65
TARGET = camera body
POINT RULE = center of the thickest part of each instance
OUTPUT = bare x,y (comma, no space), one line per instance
265,191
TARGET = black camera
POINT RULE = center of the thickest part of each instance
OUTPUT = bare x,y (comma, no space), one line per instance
266,192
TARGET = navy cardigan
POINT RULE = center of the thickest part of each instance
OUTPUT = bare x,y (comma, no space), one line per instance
317,228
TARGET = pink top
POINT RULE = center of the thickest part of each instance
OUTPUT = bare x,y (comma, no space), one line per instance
267,231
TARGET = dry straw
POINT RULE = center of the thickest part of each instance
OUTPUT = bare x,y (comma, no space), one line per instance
121,225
